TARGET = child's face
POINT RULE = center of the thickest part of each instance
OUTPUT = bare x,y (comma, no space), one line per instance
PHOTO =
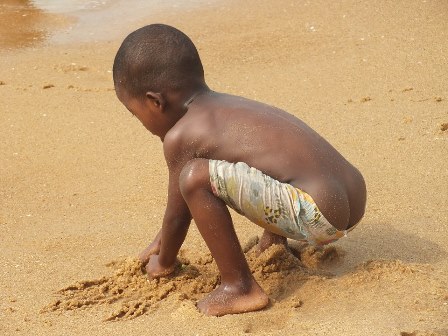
149,113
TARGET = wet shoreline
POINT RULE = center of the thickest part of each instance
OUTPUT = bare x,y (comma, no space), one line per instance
25,23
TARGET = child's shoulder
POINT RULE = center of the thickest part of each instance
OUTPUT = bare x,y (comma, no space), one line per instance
189,134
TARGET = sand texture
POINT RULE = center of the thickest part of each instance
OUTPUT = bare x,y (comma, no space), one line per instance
83,184
135,294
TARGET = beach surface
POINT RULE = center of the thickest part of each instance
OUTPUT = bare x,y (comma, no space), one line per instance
83,184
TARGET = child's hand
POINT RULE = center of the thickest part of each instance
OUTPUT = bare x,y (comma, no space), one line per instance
155,270
153,248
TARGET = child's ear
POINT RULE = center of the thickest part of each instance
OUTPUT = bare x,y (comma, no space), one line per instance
156,99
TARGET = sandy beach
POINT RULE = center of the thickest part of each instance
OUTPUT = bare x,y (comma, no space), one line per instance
83,184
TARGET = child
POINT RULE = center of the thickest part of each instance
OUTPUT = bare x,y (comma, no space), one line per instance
225,150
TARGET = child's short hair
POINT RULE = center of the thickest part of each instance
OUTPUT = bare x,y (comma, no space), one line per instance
155,58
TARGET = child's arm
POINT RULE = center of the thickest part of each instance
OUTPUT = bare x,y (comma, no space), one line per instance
153,248
177,215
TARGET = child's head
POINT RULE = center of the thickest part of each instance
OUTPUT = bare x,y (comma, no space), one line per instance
156,58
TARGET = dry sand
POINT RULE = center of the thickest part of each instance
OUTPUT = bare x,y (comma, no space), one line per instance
83,185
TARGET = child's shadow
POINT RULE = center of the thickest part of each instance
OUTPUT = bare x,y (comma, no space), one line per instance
345,257
382,241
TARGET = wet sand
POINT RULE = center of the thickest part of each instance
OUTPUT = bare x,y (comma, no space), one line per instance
83,185
26,23
22,24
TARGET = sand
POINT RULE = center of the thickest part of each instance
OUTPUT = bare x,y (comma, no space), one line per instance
83,184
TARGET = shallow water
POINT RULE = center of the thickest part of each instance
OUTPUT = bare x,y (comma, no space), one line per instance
26,23
70,6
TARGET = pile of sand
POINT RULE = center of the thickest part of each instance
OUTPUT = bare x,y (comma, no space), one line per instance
294,278
131,294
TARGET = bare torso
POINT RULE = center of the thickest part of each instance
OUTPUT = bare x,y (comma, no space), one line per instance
235,129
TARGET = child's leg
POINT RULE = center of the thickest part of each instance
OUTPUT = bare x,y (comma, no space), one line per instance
238,291
268,239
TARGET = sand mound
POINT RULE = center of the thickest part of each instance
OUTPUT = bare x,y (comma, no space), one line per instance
315,257
129,290
280,271
131,293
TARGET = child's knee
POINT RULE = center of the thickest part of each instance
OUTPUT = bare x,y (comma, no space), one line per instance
194,175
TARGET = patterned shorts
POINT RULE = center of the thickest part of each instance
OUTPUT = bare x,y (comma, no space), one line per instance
275,206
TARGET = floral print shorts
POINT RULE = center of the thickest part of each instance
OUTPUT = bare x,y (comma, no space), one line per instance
275,206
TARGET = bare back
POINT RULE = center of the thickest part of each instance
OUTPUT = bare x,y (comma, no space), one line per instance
235,129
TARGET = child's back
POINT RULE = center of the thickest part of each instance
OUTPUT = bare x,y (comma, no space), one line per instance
224,127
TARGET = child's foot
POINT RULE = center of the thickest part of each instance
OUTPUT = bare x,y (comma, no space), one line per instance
231,300
268,239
